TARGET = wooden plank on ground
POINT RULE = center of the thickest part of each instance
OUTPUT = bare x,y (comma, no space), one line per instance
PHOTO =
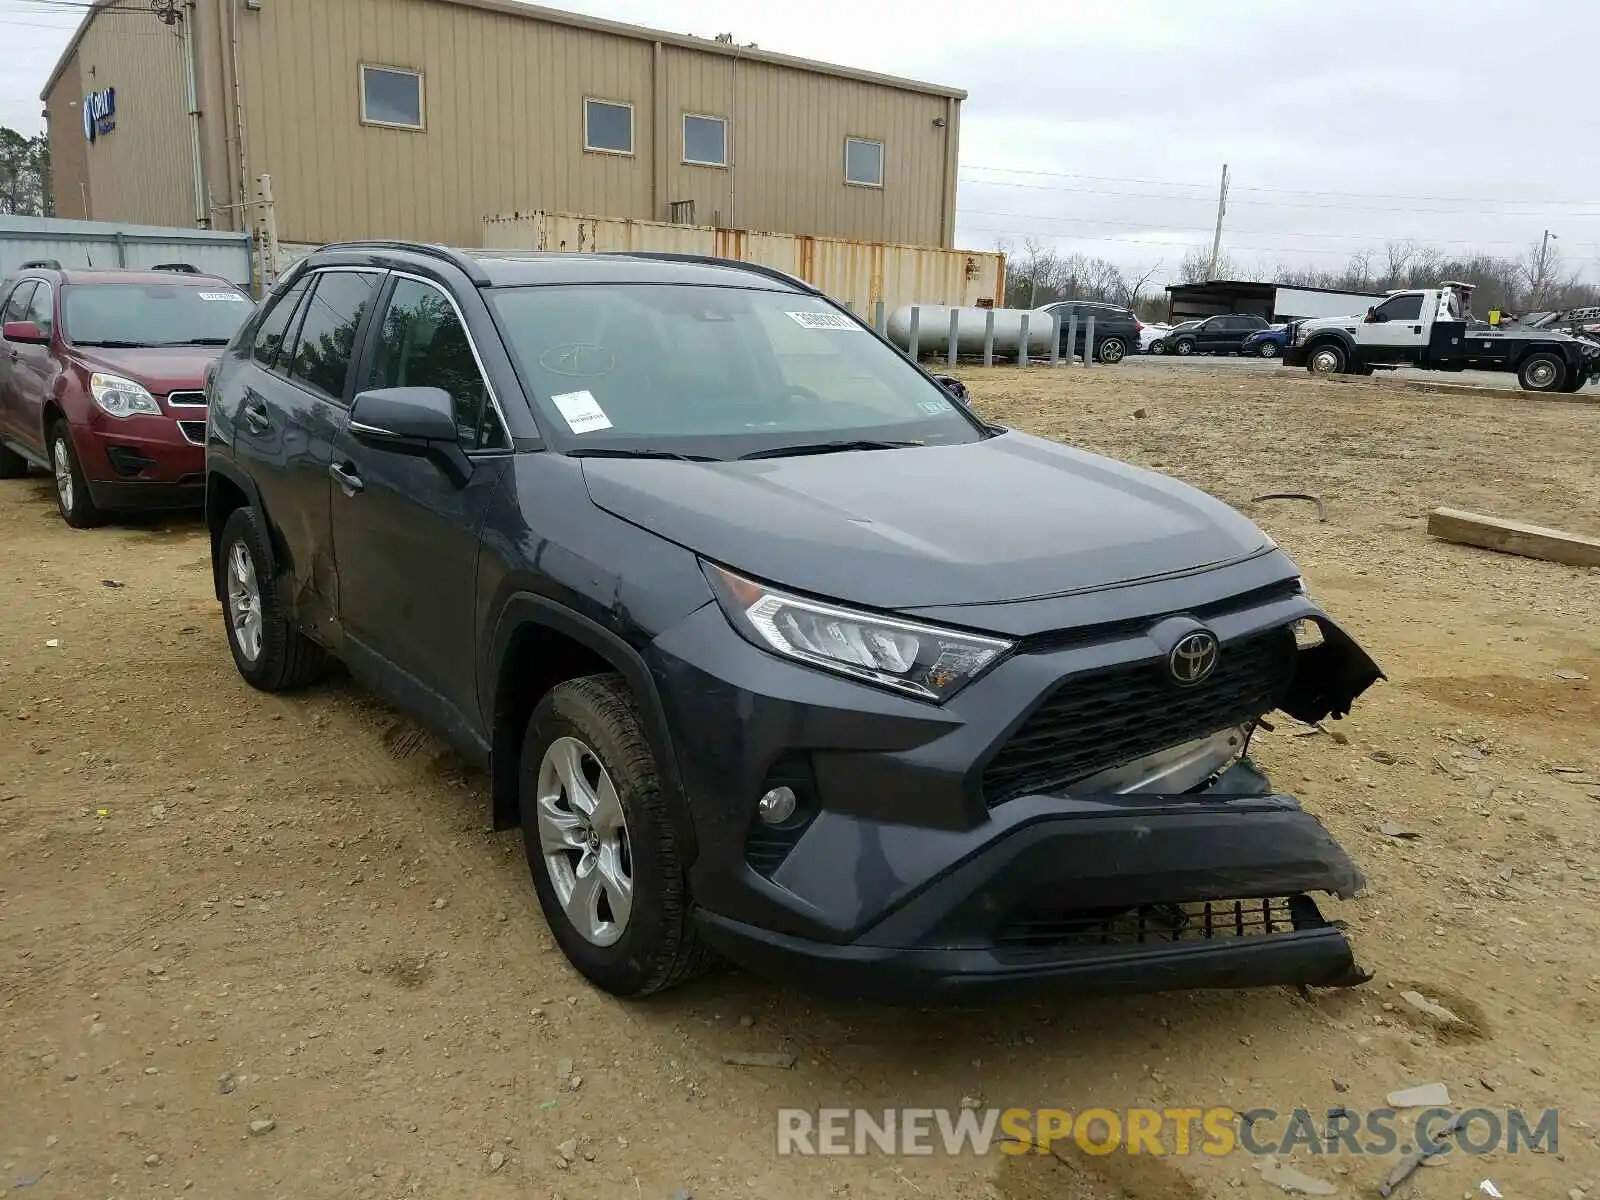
1514,537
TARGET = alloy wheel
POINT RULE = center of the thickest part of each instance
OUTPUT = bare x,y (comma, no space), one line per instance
583,834
244,601
61,464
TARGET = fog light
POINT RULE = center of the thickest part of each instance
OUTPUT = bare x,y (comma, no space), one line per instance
777,806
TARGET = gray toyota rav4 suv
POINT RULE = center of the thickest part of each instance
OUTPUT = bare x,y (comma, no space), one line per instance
774,650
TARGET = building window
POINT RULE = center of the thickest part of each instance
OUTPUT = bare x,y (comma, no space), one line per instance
608,127
391,96
863,162
705,140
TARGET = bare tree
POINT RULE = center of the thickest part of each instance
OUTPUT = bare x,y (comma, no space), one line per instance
1398,256
1543,270
1132,287
1196,267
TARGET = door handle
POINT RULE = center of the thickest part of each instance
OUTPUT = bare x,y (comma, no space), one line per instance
254,413
346,478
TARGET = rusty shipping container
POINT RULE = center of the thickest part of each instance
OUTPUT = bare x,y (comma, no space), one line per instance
856,273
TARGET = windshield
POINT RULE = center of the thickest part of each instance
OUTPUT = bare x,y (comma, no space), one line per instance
153,314
715,372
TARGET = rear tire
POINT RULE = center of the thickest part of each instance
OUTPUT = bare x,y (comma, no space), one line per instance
637,933
1542,372
12,464
77,506
1326,359
1112,350
268,649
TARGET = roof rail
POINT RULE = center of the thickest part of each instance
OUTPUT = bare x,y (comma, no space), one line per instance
41,264
712,260
177,268
462,262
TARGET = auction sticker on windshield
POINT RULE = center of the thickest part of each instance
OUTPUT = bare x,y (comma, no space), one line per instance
582,412
232,296
822,320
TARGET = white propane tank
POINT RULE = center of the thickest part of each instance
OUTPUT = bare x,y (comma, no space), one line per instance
933,330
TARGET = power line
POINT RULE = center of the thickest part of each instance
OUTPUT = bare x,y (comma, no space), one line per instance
1274,233
1285,191
1460,212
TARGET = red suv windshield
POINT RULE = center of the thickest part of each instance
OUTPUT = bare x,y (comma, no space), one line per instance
153,314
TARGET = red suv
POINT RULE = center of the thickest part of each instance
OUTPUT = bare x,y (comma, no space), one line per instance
102,383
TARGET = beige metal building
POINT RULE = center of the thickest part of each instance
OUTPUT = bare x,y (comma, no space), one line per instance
418,118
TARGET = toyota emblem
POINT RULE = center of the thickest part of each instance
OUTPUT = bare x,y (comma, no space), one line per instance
1194,658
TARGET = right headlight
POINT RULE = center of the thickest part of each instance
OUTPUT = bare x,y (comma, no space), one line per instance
119,397
925,661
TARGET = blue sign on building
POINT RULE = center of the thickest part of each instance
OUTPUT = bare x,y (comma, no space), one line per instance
99,113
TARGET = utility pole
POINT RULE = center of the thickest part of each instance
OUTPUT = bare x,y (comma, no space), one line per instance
1542,284
1222,208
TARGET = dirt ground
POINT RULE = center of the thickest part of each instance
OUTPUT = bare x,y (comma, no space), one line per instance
219,907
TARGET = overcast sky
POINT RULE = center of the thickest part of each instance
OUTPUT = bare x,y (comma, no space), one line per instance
1103,127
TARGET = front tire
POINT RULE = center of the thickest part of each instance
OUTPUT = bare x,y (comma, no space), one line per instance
1268,350
1112,350
1542,372
77,506
268,649
1327,359
601,843
1183,346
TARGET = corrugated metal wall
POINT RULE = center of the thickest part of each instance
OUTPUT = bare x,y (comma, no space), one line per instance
504,115
109,244
859,273
142,171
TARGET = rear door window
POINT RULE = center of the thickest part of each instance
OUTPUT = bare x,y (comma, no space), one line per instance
327,340
274,327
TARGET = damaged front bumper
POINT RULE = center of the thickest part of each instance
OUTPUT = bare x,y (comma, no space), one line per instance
1072,821
1096,894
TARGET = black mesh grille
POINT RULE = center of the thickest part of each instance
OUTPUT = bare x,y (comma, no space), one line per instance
1199,920
1103,718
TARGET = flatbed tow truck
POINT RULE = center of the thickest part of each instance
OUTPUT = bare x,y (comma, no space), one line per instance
1434,329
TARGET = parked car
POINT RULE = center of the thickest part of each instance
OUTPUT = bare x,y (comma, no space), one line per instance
1223,334
101,383
1116,329
1163,344
1150,337
1266,343
771,648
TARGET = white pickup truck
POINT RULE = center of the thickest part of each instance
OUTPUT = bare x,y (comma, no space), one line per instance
1433,328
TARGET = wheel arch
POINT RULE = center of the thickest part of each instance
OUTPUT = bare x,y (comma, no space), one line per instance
228,488
537,644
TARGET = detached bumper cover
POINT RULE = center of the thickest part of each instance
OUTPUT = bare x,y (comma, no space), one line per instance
1084,895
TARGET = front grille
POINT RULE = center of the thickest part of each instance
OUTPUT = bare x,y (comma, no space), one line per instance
193,432
1154,924
1101,719
187,399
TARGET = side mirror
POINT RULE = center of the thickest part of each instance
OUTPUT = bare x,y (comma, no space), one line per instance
25,331
954,386
404,417
416,421
1372,317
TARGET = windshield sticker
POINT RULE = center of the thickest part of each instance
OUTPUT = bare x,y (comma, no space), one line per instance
933,407
582,412
822,320
229,296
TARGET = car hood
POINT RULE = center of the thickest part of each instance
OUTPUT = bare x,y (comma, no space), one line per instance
1009,518
159,369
